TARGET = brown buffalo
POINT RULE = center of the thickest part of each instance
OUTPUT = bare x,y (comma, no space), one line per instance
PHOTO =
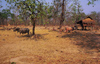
68,29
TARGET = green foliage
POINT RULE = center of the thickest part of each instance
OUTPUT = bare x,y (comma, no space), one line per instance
91,2
0,4
13,62
50,16
5,13
76,10
47,22
45,11
29,8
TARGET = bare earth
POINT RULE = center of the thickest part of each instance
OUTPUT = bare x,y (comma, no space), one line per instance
50,47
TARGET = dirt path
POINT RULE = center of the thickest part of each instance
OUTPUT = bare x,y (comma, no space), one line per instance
47,47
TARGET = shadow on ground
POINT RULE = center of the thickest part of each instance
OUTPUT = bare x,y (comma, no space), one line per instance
86,40
2,29
35,37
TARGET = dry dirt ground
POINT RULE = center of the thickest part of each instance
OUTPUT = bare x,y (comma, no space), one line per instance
49,47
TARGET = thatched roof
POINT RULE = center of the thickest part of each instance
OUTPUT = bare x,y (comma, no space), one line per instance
88,20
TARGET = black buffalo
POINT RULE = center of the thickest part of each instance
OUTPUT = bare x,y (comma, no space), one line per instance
16,29
24,30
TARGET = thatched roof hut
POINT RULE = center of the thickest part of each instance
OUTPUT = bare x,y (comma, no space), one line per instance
88,20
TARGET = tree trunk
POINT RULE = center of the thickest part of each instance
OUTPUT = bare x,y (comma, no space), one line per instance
33,23
41,20
62,15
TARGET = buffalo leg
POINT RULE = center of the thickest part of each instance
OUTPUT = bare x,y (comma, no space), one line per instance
85,27
82,28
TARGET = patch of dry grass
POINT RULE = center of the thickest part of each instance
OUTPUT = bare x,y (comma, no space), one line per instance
46,47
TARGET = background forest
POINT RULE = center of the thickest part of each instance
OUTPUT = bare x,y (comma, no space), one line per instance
59,12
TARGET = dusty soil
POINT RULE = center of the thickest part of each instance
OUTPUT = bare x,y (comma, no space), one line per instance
49,47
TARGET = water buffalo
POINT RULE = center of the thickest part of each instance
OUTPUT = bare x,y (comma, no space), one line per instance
68,29
24,30
16,29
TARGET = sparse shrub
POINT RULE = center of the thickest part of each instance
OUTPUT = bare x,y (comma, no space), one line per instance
13,62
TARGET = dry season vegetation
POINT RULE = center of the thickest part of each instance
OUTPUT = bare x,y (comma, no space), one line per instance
52,32
49,47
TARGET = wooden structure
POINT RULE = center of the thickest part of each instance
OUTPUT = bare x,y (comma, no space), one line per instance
88,22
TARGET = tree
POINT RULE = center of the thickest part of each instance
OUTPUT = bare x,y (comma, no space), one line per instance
0,4
28,6
91,1
41,8
62,12
95,16
4,15
76,10
98,17
56,9
23,16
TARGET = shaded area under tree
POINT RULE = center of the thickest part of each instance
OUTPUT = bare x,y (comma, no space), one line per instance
85,40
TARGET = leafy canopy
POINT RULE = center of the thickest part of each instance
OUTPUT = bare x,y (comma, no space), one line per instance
31,7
